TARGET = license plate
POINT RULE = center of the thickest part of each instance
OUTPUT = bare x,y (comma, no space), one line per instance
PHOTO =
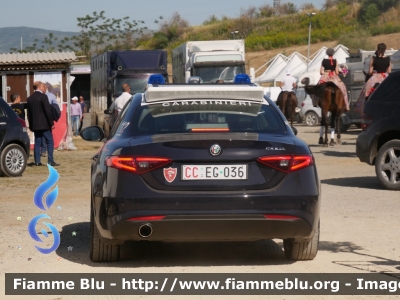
214,172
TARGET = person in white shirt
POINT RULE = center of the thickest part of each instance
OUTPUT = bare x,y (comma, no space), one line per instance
120,102
288,83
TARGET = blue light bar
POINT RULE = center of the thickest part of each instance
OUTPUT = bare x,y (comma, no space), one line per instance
156,79
242,79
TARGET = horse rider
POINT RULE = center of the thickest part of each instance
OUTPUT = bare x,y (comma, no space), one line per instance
288,83
379,69
330,72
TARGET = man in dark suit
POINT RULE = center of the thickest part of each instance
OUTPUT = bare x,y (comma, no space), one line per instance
41,122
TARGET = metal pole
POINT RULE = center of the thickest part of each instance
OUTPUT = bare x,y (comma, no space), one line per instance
309,41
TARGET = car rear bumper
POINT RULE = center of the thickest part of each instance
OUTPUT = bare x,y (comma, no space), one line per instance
191,228
364,148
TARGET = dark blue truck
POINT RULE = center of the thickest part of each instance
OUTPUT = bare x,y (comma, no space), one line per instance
111,69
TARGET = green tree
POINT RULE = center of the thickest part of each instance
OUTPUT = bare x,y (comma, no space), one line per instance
211,20
174,27
369,14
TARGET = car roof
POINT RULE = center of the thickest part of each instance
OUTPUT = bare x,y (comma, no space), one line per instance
171,92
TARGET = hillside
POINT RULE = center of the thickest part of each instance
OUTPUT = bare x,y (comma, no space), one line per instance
10,37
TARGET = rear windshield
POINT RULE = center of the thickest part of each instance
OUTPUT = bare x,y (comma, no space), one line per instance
206,116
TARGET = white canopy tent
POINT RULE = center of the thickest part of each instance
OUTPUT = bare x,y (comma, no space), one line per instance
277,64
341,53
315,63
296,64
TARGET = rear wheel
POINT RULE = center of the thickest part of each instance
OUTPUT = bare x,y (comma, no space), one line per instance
387,165
299,118
13,160
302,250
100,251
311,118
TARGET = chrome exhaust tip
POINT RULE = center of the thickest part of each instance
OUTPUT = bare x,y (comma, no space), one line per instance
145,230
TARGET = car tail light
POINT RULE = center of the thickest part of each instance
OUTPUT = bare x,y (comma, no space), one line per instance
302,104
366,121
210,129
287,163
147,218
136,164
280,217
23,123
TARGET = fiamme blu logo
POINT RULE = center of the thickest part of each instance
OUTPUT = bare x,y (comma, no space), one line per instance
45,203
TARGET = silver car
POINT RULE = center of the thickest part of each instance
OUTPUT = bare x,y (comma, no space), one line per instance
310,114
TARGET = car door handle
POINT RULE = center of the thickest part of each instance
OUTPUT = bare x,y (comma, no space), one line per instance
3,123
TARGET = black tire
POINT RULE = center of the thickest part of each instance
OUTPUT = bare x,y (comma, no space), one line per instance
100,251
303,250
343,127
13,160
311,118
299,119
358,125
387,165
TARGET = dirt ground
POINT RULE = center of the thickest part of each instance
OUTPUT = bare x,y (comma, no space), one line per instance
359,227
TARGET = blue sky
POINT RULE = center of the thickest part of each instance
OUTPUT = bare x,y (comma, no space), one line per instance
61,15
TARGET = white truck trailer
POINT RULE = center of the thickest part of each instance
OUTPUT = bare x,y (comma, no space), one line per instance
210,60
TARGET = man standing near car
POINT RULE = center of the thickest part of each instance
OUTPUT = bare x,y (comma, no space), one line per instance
120,102
41,122
52,100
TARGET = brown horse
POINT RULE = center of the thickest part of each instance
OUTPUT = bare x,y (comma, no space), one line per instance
330,98
287,103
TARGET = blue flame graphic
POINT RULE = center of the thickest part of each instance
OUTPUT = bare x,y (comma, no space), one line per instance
50,199
35,236
44,187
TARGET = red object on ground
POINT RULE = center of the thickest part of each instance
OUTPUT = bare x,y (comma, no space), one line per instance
60,128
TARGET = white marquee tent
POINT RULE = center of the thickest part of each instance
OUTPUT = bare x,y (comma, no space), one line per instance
315,63
276,64
296,64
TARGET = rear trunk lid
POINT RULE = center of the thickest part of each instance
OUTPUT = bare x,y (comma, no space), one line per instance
213,161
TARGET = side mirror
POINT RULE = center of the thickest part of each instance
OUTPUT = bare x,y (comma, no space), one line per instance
92,134
294,130
107,112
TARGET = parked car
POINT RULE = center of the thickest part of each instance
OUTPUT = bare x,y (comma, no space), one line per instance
379,142
310,114
14,142
203,163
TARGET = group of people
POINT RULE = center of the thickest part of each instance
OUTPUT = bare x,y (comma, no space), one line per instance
41,108
77,109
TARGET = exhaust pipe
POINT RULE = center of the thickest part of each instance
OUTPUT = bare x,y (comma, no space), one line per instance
145,230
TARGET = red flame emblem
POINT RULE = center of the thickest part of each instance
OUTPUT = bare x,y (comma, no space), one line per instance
170,174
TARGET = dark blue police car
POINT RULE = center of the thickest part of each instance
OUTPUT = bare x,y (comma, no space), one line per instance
201,162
